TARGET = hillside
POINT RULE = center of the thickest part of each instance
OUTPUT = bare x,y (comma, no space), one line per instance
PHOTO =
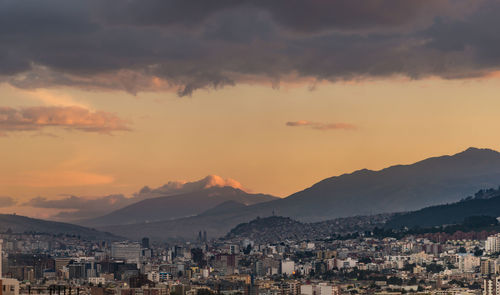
22,224
265,229
177,206
275,229
484,203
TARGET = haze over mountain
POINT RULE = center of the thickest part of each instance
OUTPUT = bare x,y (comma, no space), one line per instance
21,224
398,188
78,208
176,206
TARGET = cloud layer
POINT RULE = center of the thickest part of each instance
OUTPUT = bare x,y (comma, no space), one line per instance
75,207
320,126
6,201
180,187
69,118
186,45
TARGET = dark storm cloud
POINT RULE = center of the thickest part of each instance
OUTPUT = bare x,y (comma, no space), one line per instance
187,45
300,15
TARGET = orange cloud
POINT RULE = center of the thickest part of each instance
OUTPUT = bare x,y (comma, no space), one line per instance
217,181
321,126
66,117
178,187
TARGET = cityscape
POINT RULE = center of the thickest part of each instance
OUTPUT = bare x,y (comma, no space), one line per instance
36,263
249,147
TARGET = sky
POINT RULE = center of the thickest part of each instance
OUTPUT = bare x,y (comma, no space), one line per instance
99,99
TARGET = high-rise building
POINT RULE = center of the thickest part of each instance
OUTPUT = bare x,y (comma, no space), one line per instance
7,286
468,262
491,286
492,244
287,267
488,267
126,251
61,262
145,242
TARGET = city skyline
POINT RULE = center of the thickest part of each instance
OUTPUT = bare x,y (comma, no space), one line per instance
249,147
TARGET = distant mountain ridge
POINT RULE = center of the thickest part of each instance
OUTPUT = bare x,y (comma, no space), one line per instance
399,188
23,224
177,206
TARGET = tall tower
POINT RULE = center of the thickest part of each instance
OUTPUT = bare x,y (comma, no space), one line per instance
1,258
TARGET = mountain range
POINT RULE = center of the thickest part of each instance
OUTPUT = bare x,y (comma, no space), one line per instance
177,206
21,224
399,188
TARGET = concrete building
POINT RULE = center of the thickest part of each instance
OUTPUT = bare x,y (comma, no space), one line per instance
491,286
7,286
468,262
492,244
488,267
97,280
287,267
131,252
319,289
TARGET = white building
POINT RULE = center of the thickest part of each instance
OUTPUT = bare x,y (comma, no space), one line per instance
468,262
97,280
346,263
492,244
319,289
287,267
154,276
306,290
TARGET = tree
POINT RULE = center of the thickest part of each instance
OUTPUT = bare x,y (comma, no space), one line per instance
478,252
365,260
247,250
394,281
198,257
204,292
434,268
409,266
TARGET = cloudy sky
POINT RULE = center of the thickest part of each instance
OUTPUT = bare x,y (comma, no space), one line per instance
101,98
